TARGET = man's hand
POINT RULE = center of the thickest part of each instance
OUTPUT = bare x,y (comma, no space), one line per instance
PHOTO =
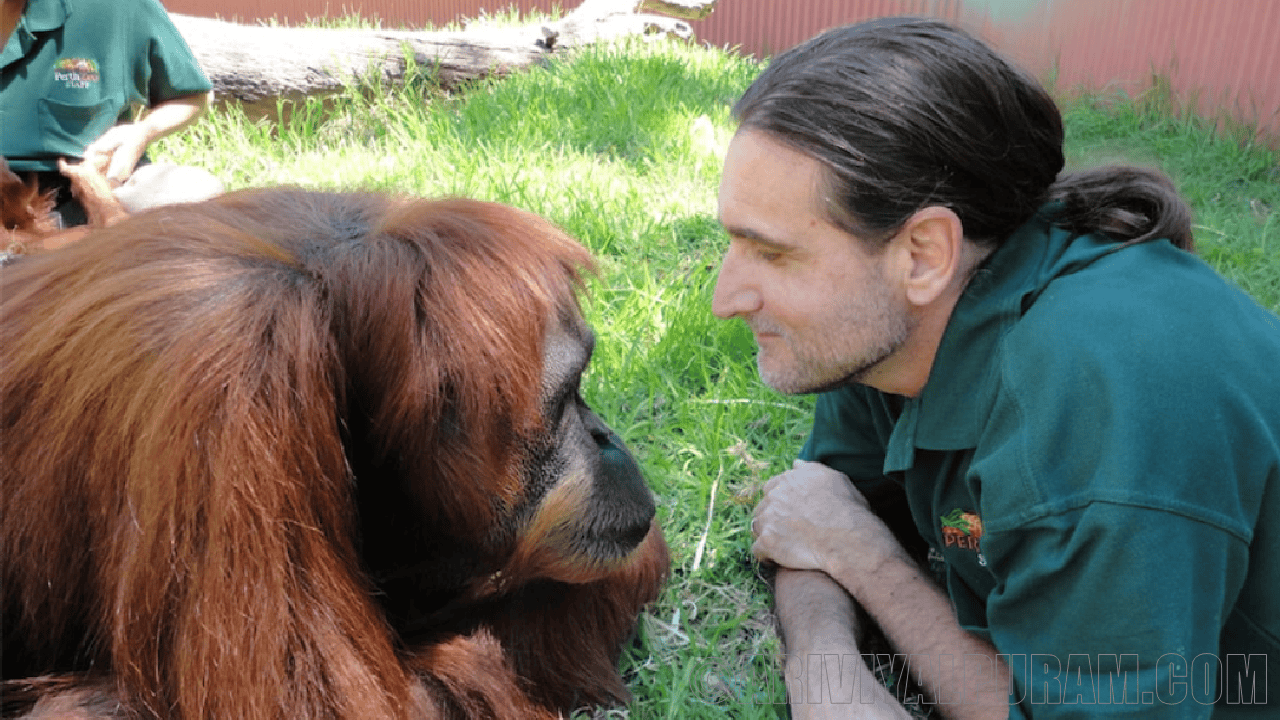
813,518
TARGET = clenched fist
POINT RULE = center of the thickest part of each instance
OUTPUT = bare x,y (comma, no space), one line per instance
813,518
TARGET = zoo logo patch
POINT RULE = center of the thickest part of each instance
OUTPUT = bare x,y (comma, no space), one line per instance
962,529
76,73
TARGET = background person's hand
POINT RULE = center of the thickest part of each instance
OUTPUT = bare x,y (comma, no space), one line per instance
94,192
117,152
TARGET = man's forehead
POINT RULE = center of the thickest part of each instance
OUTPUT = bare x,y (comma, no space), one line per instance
763,179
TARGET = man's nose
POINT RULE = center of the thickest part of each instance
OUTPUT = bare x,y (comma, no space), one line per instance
736,293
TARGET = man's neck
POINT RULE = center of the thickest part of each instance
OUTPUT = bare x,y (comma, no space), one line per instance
907,371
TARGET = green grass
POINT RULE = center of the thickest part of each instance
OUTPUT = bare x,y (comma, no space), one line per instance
1232,183
501,17
620,146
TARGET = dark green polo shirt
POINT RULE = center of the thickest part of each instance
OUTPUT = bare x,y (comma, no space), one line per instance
1095,466
73,68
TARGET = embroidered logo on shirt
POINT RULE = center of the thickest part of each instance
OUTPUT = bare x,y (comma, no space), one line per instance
962,530
76,73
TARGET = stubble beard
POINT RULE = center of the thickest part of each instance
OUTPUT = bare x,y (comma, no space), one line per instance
840,355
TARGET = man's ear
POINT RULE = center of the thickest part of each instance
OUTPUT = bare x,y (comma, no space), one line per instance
929,249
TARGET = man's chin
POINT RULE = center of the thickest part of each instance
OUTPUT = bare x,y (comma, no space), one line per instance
789,381
780,378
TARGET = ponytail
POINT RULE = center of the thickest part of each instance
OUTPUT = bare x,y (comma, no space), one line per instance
1128,204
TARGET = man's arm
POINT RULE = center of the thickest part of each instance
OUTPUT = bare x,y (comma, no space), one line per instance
812,518
819,627
118,150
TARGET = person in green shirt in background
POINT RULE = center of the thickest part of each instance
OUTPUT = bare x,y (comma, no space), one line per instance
1045,458
73,76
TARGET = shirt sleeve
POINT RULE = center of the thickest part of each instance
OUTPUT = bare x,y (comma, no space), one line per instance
1117,522
169,67
851,428
1112,610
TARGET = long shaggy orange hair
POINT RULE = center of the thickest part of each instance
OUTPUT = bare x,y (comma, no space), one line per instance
203,408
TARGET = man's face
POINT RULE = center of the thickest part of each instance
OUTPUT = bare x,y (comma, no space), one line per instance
822,308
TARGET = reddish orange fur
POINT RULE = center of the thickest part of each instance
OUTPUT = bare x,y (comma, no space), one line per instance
27,213
177,499
24,211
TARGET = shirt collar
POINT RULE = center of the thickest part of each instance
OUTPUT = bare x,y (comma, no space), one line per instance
42,15
39,16
952,408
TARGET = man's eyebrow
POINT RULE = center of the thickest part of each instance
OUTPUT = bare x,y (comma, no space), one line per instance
758,238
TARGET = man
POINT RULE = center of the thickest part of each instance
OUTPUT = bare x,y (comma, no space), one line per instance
1029,376
73,74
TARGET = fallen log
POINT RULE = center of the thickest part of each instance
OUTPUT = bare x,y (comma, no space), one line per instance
255,64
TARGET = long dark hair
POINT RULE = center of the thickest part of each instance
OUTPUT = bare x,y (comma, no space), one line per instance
908,112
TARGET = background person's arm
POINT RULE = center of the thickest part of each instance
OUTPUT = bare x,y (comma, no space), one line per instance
117,152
